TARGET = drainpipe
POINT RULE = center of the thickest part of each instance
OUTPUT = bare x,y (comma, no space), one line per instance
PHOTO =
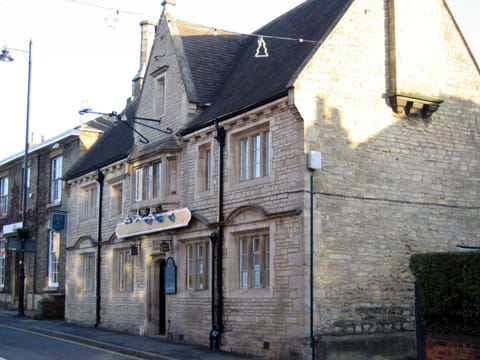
99,177
217,250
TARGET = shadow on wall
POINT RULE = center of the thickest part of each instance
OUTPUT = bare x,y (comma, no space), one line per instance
411,187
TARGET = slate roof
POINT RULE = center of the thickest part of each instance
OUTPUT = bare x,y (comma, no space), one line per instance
114,145
252,81
209,57
227,77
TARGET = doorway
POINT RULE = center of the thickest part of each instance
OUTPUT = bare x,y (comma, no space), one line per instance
161,299
157,299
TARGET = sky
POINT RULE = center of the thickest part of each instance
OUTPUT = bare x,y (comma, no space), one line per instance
85,54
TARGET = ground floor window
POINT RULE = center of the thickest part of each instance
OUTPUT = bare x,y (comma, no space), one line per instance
197,265
88,273
254,260
123,270
53,258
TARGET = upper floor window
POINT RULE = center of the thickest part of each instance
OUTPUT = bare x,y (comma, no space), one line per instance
116,198
88,202
172,176
255,157
159,102
148,181
56,179
197,265
254,253
27,183
204,177
53,258
3,195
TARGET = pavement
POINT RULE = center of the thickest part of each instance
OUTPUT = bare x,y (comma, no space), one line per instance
142,347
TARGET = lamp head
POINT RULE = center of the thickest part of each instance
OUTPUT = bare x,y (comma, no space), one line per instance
6,57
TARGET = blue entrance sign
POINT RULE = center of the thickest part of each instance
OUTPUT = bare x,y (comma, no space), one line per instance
170,276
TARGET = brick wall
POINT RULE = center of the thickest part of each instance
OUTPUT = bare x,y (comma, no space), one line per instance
451,347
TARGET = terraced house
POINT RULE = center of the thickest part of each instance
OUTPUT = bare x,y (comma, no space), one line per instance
45,219
273,209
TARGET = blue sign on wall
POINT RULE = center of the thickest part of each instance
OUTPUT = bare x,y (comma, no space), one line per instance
58,221
170,276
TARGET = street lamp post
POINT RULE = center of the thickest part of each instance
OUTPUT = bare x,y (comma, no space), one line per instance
23,233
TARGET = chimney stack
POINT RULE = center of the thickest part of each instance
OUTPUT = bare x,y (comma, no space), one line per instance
147,37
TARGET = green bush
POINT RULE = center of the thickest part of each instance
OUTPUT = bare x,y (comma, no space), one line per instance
449,291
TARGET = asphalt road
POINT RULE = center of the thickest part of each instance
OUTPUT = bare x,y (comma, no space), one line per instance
22,344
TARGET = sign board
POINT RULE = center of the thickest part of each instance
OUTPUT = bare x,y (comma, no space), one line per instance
170,277
15,244
11,228
58,221
151,224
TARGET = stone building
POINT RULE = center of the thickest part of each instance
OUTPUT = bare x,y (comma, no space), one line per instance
338,127
45,219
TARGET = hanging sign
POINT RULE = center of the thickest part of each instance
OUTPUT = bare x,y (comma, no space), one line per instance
153,223
58,221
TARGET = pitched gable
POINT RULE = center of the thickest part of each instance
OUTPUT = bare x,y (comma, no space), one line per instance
253,80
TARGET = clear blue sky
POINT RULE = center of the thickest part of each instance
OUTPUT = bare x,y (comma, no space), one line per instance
86,52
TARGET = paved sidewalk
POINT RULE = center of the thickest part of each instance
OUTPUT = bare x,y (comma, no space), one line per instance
143,347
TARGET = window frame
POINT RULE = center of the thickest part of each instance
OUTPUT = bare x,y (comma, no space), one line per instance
4,192
116,200
248,267
56,165
123,271
160,92
54,239
254,153
148,181
88,202
88,267
204,168
197,265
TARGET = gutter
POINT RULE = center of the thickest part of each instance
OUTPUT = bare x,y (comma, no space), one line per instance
217,250
100,179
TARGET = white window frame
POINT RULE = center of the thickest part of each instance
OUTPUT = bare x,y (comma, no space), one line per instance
197,254
56,179
148,181
3,196
53,259
254,151
28,187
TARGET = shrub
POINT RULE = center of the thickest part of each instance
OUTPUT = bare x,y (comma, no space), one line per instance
449,291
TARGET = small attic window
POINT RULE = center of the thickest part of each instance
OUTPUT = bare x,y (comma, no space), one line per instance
160,92
414,106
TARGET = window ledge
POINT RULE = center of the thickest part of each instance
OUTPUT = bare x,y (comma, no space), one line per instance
54,204
251,293
247,184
